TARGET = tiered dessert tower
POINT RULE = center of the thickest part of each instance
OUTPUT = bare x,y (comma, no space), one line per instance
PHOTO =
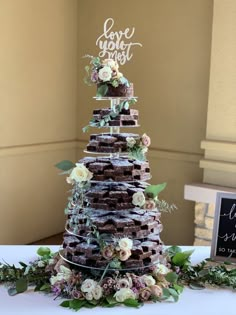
102,213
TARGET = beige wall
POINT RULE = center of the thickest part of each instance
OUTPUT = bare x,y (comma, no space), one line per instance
170,74
44,100
219,161
38,98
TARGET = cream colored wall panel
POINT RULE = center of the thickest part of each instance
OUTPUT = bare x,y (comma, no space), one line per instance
170,72
38,77
221,122
33,196
219,177
179,225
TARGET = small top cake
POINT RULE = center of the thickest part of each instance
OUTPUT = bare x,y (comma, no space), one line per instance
109,80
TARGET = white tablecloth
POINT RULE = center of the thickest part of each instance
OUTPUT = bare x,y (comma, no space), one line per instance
192,302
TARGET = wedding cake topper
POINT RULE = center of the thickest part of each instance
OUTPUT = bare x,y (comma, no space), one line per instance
116,44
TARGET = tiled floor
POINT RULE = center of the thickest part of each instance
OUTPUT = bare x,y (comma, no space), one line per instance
52,240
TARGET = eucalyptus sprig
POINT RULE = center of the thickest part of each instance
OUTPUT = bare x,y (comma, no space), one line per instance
19,278
203,274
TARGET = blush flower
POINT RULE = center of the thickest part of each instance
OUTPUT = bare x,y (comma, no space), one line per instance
108,252
144,294
124,254
150,204
123,283
138,199
105,74
156,290
146,141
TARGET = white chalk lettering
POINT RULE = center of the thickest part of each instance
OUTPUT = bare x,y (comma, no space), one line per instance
114,44
231,214
227,237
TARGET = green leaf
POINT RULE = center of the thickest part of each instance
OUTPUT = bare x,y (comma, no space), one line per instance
89,304
102,90
102,123
154,190
45,287
77,304
21,285
166,294
65,303
22,264
65,165
12,291
180,259
178,288
174,294
126,105
132,303
196,286
86,128
44,251
171,277
111,300
116,264
173,250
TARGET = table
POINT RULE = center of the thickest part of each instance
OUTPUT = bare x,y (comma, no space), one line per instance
192,302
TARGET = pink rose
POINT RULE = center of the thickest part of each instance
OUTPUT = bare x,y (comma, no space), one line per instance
146,141
150,204
124,254
108,252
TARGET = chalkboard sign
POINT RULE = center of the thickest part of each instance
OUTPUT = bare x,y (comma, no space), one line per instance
224,233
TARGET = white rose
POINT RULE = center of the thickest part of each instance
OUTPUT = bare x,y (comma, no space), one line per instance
41,263
138,199
89,296
161,269
124,294
97,292
124,254
65,272
70,181
88,285
53,280
148,280
130,142
63,275
51,261
105,74
80,173
125,243
110,63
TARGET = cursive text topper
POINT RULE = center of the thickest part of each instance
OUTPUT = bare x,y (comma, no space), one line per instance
116,44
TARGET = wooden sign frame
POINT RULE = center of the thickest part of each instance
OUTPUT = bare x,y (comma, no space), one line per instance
223,247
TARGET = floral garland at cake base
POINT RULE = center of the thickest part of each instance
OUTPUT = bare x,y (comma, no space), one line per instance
52,275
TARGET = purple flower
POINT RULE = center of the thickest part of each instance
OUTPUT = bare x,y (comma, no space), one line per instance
56,290
94,77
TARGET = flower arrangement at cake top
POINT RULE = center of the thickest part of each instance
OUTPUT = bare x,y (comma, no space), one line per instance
106,75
